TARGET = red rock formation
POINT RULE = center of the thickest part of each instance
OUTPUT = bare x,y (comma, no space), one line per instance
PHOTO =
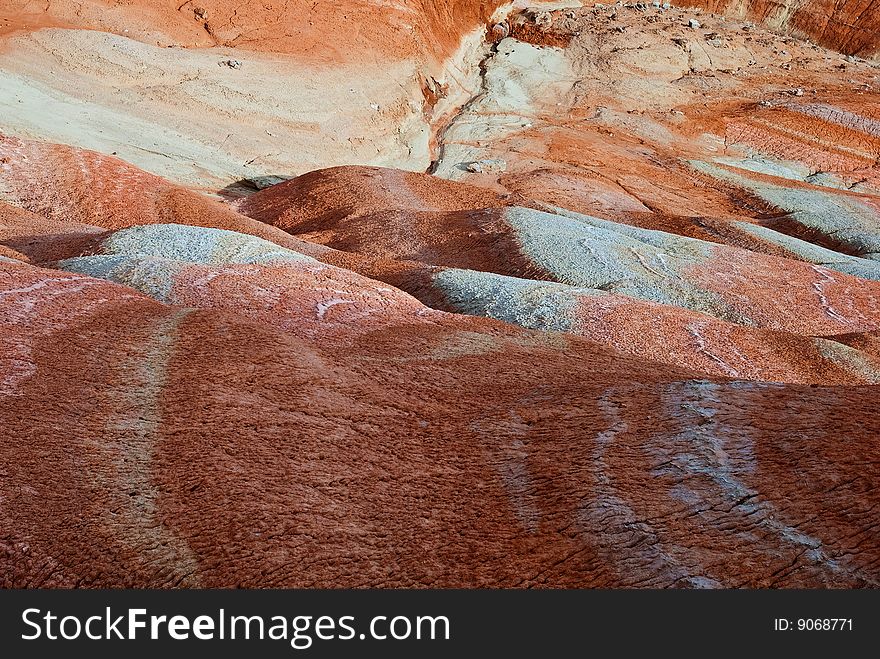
369,377
297,26
765,289
345,32
332,468
323,197
75,187
40,239
849,26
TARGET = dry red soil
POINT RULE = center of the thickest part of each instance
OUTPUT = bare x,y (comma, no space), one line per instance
439,294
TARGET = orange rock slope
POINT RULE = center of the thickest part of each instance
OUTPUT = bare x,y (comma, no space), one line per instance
623,332
850,26
335,31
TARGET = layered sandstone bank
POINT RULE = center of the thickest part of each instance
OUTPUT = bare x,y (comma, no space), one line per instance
849,26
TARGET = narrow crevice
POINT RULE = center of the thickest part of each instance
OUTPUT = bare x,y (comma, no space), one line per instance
441,133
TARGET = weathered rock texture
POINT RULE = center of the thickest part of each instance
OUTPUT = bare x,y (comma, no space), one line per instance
347,31
290,463
619,329
850,26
